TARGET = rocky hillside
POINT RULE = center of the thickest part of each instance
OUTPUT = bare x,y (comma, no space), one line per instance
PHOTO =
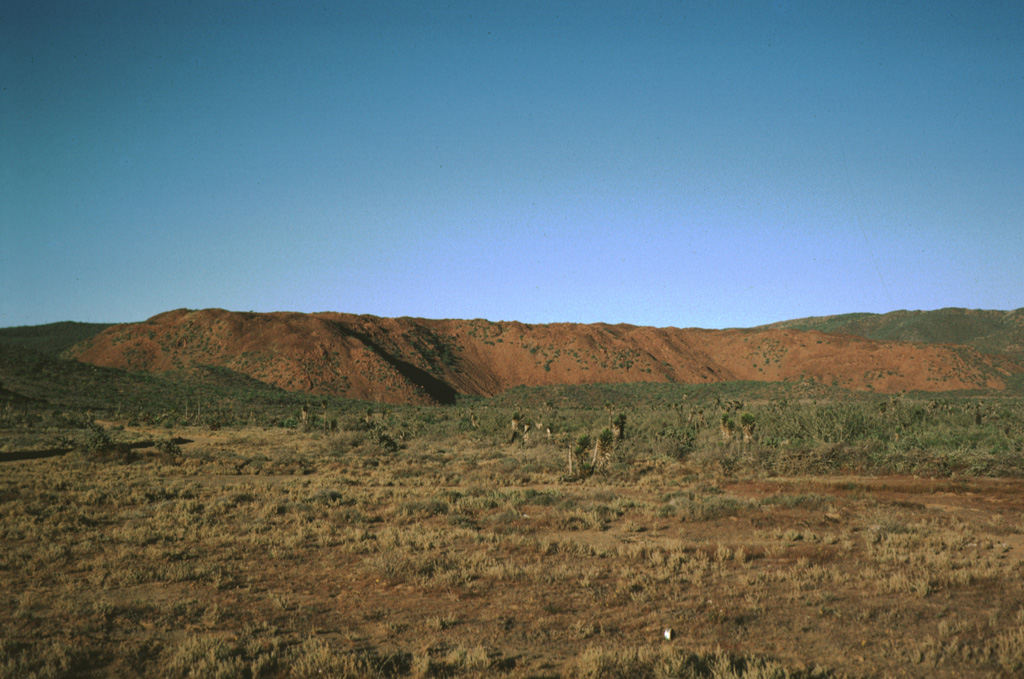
431,361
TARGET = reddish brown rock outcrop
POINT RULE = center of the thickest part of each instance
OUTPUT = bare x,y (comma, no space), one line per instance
421,360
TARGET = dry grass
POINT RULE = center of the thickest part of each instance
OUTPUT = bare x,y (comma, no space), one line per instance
272,553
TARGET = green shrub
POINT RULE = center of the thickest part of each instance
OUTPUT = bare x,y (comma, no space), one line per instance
98,440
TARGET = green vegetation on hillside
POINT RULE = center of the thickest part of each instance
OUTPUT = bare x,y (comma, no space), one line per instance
51,339
793,427
38,385
993,332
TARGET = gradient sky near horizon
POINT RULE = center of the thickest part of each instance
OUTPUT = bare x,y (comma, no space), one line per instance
686,163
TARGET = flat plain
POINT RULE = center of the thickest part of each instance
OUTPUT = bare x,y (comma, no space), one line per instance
431,542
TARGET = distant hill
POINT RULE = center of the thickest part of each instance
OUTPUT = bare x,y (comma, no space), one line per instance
433,361
991,332
51,339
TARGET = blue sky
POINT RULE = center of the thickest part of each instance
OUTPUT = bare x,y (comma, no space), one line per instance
687,163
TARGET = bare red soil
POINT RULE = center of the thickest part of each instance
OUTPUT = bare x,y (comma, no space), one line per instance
419,360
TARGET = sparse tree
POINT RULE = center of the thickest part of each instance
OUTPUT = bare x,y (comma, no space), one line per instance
727,427
696,417
602,449
619,427
747,424
577,452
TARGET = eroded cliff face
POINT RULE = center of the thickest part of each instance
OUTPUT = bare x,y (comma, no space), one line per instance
414,360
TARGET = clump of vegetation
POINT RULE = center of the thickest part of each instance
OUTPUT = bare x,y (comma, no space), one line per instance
381,437
98,440
169,447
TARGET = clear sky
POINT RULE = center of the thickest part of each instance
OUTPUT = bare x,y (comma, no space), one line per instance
685,163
